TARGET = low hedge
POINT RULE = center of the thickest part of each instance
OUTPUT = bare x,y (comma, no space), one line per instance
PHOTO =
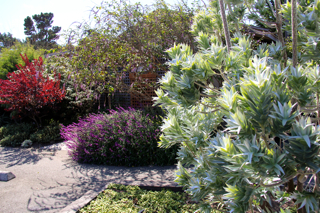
124,137
14,134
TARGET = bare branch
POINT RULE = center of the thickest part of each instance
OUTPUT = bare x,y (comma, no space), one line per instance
280,182
209,112
212,88
208,96
208,105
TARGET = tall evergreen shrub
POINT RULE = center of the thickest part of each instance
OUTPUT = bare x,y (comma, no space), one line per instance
271,108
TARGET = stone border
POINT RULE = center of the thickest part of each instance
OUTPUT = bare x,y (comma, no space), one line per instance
91,195
82,201
6,176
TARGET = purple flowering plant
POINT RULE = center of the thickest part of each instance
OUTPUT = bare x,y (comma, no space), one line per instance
122,137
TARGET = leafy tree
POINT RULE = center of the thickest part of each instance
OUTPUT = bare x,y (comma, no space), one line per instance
28,92
79,99
7,40
10,57
270,108
40,31
127,38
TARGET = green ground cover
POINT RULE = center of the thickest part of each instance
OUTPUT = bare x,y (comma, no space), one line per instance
121,198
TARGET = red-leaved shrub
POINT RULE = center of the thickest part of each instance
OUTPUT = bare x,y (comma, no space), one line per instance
27,91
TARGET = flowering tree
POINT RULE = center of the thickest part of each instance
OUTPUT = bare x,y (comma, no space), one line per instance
270,108
28,92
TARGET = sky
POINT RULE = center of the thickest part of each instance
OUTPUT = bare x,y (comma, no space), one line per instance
66,12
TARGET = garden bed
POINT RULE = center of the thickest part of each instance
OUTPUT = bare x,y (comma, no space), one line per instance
121,198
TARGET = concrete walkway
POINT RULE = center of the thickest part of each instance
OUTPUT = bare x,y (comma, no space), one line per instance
47,180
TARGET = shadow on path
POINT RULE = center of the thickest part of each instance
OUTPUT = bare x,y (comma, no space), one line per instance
17,156
80,178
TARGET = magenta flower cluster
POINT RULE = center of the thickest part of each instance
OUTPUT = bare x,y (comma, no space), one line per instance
123,137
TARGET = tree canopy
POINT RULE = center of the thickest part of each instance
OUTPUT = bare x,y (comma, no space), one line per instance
125,38
40,31
7,40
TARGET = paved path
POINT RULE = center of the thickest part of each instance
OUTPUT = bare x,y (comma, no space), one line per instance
47,180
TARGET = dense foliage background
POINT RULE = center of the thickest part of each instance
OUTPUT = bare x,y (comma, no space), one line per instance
99,54
10,57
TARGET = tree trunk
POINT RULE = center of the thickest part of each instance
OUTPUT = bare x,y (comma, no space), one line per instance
290,186
33,117
279,29
300,189
294,64
294,33
225,25
109,101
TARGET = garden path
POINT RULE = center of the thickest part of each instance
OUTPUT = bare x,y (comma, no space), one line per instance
47,180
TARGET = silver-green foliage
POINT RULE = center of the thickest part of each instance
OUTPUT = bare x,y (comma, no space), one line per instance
270,112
